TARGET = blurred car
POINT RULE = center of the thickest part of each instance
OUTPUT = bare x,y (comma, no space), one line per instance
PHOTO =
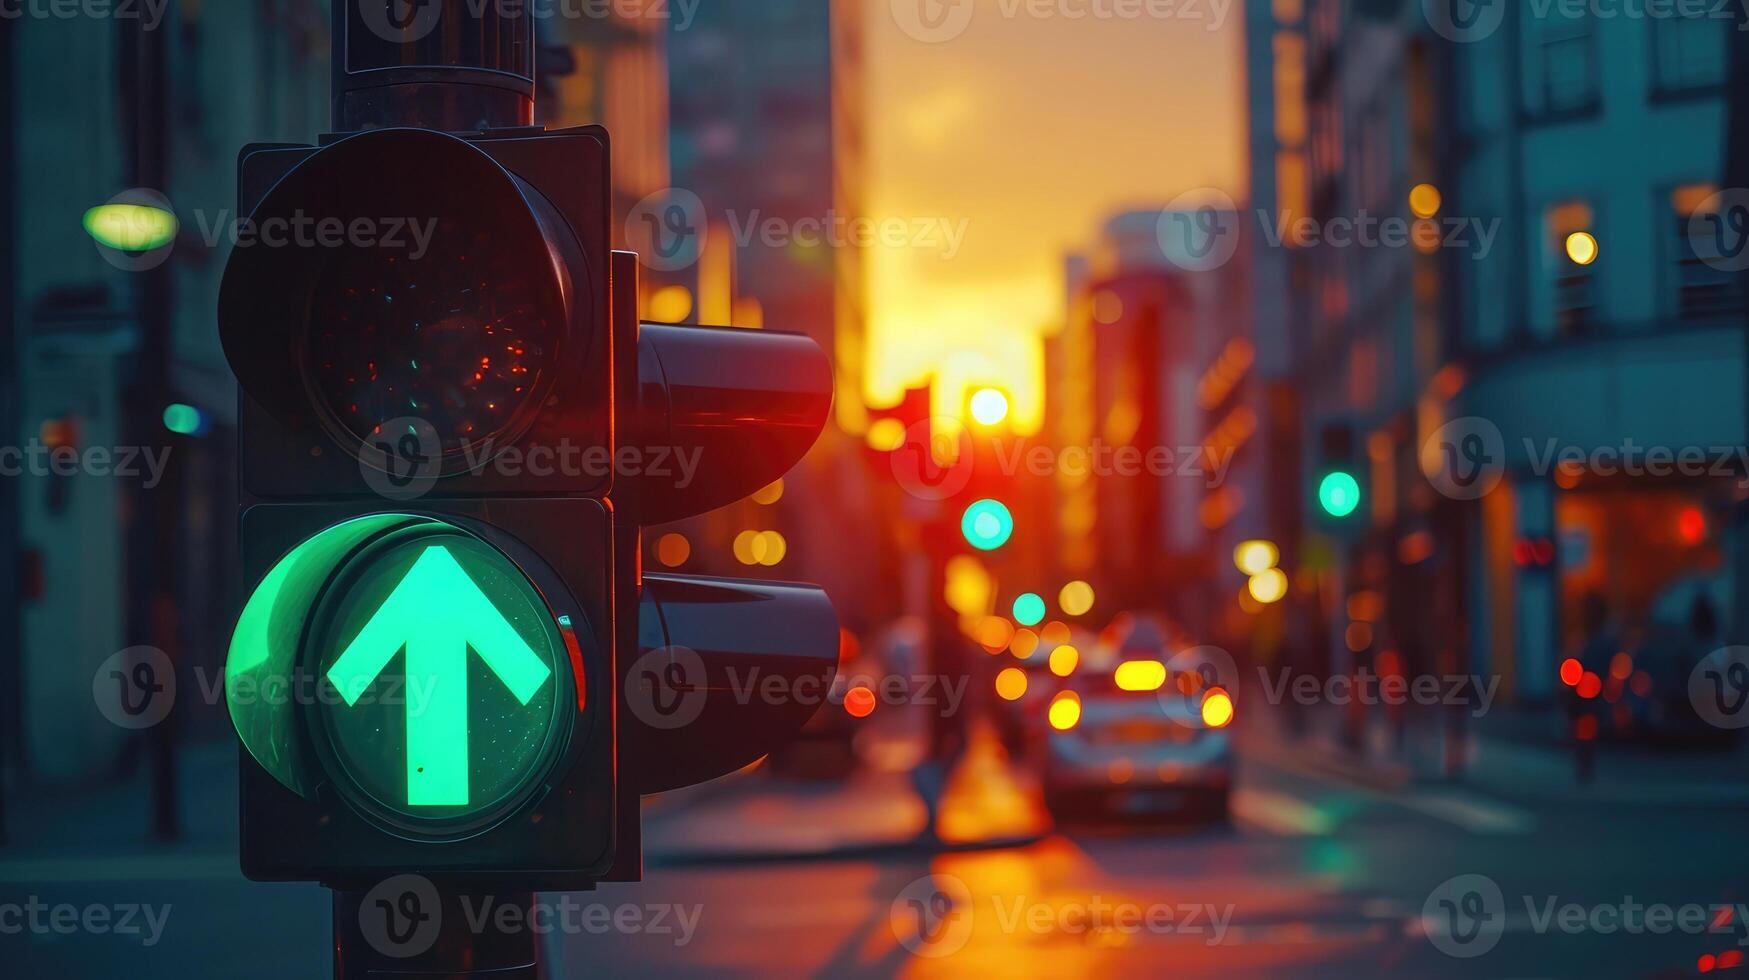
1144,740
1645,686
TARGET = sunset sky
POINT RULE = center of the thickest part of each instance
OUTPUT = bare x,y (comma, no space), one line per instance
1025,133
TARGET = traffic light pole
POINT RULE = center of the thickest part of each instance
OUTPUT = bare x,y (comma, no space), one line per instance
378,936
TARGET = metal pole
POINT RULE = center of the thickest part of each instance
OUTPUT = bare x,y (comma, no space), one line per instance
11,592
1736,175
421,932
451,65
153,530
459,67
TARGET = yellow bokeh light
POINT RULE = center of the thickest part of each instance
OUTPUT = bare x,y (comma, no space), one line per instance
1217,709
748,547
1256,557
1064,660
1011,684
968,587
886,435
673,550
1269,587
1065,712
1582,248
769,495
773,549
994,634
1076,599
1140,675
670,304
1425,200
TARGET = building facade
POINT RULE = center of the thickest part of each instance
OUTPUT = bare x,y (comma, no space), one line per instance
1554,310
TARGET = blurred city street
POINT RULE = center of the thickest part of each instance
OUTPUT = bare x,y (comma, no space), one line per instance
1326,871
530,489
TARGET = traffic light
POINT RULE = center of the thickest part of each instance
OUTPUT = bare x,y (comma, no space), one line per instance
1339,488
1339,493
452,427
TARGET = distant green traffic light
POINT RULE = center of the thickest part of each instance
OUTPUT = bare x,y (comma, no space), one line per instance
1339,494
988,525
131,227
185,420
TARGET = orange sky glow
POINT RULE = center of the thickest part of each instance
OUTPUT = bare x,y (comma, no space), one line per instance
1014,141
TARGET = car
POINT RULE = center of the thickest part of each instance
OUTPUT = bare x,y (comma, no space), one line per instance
1146,740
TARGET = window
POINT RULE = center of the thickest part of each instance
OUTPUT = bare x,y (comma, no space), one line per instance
1701,281
1573,250
1688,51
1563,78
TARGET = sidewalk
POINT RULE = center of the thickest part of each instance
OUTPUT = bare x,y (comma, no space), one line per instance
760,817
1514,754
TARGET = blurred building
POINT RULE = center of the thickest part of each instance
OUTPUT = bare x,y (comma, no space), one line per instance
766,127
611,70
1548,308
1136,488
98,106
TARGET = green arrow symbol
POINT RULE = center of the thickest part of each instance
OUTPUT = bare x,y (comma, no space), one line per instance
436,613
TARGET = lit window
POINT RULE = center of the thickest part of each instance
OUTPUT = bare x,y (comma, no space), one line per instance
1575,250
1701,284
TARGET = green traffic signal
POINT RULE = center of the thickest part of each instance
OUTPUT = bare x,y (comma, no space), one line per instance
987,525
1339,494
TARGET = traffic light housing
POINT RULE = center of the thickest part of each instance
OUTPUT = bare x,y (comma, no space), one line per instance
452,427
1337,479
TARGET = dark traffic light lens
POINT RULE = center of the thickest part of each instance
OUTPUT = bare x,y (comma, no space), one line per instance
460,337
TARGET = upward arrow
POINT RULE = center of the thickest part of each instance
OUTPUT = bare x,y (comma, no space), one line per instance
436,613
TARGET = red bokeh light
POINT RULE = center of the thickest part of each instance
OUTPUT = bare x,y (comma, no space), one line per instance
860,702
